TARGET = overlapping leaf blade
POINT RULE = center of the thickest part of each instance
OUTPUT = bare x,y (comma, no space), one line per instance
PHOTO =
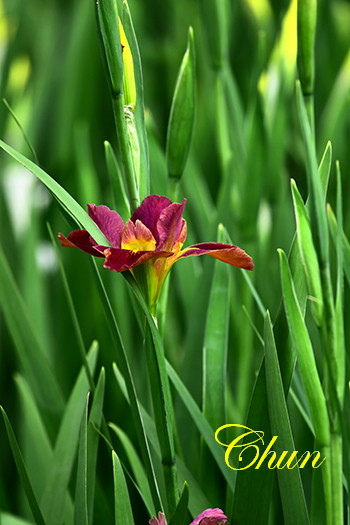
291,489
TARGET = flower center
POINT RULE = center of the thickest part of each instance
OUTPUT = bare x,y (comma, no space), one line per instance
139,245
137,237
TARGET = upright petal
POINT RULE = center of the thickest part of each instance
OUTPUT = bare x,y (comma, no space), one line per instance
121,260
227,253
172,227
109,221
149,212
136,237
213,515
81,239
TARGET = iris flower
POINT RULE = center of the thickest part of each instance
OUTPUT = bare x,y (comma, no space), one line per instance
207,517
149,243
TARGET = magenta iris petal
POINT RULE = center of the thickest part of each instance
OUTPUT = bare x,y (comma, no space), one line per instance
81,239
149,212
170,225
158,521
212,521
214,515
109,221
121,260
227,253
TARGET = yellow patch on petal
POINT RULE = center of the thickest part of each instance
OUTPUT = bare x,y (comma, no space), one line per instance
182,237
129,75
137,237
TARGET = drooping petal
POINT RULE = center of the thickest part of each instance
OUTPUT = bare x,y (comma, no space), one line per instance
109,221
213,515
149,212
227,253
172,227
160,521
120,260
136,236
81,239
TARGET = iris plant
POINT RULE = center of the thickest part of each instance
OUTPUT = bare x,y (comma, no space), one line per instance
149,243
207,517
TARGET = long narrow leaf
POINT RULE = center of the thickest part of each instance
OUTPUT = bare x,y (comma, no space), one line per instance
67,201
134,402
39,520
122,506
339,302
180,513
345,243
201,423
30,353
161,397
81,506
10,519
251,484
215,343
136,467
65,448
197,499
302,343
308,255
291,489
324,167
315,184
39,449
215,362
94,424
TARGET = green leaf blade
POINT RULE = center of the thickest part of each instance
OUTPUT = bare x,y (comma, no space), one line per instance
94,424
215,343
291,489
36,511
54,496
308,255
302,343
81,504
30,353
180,513
122,505
136,467
65,199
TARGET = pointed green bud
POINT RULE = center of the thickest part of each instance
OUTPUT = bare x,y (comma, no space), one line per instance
182,113
308,255
307,15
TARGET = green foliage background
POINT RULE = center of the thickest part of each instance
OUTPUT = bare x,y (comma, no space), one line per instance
247,145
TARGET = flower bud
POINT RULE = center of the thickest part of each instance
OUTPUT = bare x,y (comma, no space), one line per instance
128,70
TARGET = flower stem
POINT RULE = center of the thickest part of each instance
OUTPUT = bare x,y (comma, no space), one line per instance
129,172
337,478
327,482
163,413
108,24
161,397
334,364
